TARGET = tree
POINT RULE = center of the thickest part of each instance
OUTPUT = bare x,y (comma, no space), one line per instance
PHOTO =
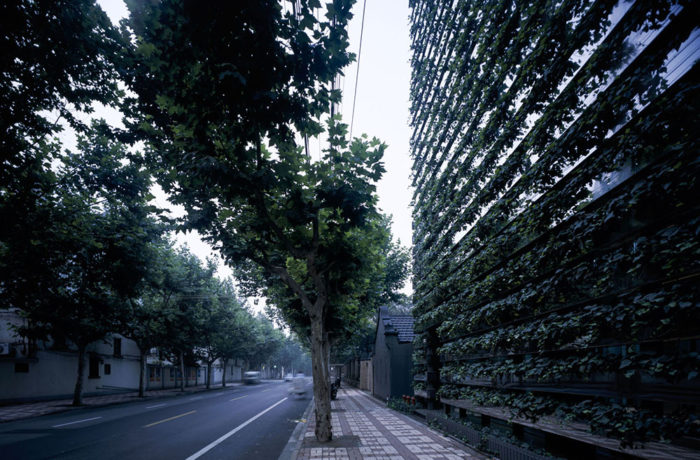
145,327
291,356
146,320
94,253
235,331
183,319
263,342
59,59
221,92
222,328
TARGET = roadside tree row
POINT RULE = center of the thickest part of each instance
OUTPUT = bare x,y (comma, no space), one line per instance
218,99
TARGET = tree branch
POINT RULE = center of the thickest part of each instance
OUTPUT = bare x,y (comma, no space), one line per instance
265,213
292,283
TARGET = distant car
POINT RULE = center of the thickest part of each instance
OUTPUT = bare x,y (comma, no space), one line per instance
288,377
251,377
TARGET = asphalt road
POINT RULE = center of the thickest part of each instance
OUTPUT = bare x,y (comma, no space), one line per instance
246,422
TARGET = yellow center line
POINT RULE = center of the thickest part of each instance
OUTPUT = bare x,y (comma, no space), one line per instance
171,418
238,398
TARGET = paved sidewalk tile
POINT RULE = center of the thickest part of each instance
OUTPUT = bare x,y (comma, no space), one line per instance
27,410
364,429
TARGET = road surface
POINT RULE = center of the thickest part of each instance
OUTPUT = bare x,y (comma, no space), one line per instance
246,422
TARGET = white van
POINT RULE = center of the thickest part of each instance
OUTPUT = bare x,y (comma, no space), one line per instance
298,386
251,377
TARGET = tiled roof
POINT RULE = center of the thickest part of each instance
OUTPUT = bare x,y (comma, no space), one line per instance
401,324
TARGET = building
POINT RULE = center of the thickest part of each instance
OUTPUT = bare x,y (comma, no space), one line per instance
39,370
555,253
358,372
391,373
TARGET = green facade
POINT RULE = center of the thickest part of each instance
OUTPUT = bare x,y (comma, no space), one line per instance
556,218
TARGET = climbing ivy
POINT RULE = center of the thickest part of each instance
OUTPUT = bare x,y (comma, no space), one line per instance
555,165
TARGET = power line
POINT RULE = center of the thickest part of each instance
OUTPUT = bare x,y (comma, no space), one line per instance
357,74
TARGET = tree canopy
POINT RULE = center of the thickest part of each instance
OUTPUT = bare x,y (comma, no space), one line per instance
223,96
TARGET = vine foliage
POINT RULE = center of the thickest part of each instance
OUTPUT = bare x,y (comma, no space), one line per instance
555,165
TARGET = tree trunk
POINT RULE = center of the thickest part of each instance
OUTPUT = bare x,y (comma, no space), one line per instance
223,374
209,364
182,371
142,374
322,391
78,393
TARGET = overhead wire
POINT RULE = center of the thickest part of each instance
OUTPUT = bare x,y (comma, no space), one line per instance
357,74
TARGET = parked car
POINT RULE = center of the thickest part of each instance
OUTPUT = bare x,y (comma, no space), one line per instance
288,378
251,377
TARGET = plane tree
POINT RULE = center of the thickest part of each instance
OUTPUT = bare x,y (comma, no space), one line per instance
58,58
224,92
93,255
290,356
75,224
183,318
224,331
147,313
235,331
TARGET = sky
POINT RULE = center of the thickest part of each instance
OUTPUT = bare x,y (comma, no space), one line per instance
381,108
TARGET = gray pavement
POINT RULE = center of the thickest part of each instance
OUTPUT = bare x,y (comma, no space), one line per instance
365,429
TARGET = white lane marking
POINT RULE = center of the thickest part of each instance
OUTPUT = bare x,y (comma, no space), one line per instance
169,419
157,405
77,421
240,397
209,447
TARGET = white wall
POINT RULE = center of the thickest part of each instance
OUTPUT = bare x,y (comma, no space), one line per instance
54,373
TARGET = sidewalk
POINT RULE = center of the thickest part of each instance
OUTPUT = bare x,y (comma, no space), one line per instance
365,429
27,410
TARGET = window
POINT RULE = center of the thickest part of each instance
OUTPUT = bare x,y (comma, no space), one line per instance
108,369
117,347
21,368
94,369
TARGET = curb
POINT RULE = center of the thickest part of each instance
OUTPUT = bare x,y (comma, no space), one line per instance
291,450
